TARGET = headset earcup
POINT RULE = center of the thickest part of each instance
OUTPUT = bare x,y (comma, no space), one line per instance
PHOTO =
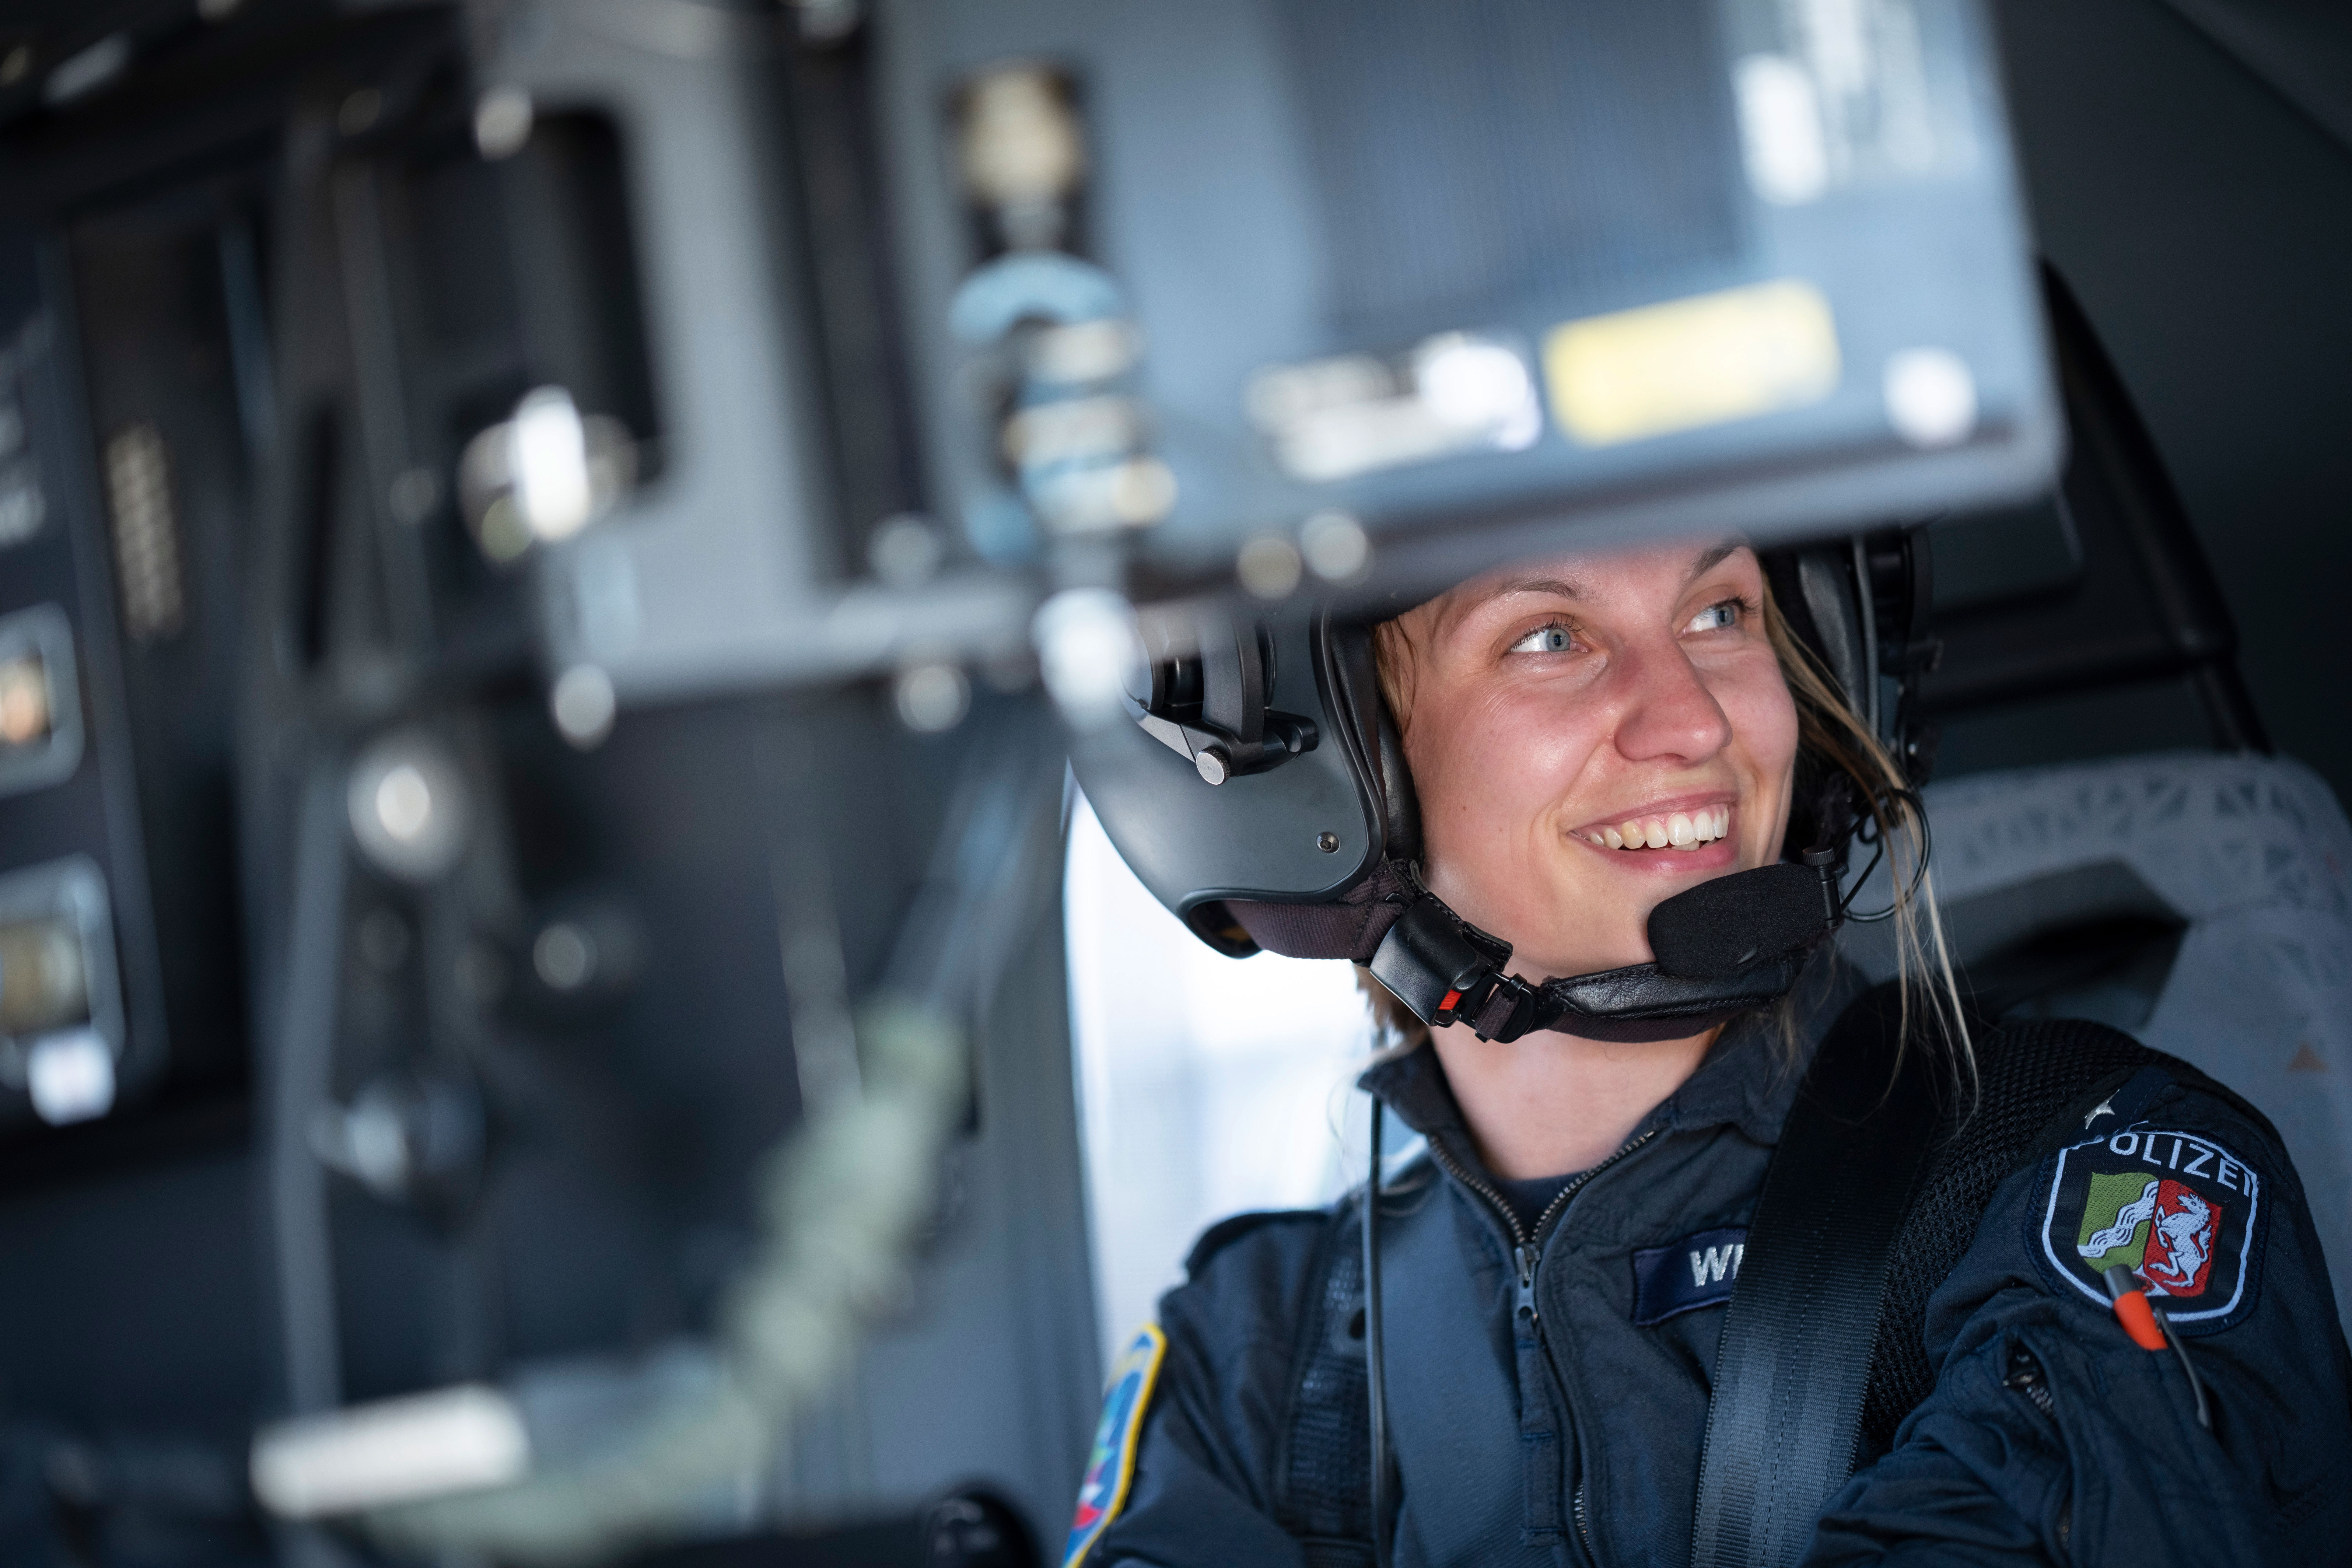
1816,591
1819,597
1402,805
1352,690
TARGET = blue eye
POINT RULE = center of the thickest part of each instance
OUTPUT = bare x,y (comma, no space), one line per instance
1715,617
1553,639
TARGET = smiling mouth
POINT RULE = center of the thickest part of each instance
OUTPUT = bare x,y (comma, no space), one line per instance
1673,830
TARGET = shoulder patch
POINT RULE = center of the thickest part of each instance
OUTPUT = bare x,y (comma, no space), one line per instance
1110,1466
2180,1211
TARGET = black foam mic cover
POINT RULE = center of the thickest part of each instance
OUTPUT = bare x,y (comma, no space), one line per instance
1718,928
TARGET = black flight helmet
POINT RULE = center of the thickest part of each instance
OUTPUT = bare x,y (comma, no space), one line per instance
1261,793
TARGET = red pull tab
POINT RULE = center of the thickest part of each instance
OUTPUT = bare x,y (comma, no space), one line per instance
2132,1310
2138,1319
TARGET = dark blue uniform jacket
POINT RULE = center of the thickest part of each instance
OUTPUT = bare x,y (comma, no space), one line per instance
1572,1436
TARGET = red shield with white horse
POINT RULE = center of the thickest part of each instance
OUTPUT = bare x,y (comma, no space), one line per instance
2180,1257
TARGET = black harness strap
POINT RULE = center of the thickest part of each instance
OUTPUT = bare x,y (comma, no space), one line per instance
1869,1202
1794,1362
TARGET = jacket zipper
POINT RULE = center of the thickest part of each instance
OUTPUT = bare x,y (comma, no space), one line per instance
2024,1375
1527,1251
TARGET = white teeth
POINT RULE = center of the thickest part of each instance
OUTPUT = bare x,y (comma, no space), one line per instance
1679,830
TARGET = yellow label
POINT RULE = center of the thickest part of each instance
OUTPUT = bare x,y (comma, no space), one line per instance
1686,363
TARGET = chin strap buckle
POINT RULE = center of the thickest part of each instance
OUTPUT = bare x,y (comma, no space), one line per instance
1440,967
1504,1011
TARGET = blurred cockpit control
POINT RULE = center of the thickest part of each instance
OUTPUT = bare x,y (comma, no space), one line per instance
26,709
40,701
1690,364
69,1076
60,1014
1455,393
43,982
146,533
1839,93
1023,152
409,804
450,1440
543,475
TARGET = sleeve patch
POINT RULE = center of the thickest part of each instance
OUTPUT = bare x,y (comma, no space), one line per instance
1110,1466
2177,1209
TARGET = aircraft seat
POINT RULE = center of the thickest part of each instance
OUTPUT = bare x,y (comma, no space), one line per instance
2198,900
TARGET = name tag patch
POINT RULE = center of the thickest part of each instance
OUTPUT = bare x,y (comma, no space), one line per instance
1696,1271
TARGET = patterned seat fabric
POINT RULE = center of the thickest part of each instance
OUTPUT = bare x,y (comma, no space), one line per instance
2220,885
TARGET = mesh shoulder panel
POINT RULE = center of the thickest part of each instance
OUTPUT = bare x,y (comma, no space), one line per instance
1321,1490
2034,1078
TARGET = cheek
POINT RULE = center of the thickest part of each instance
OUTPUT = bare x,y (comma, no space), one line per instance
1764,730
1491,767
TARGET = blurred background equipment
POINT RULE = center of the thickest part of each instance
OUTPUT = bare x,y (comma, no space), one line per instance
1470,277
551,551
481,1098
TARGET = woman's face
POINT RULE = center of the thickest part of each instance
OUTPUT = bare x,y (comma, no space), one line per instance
1590,736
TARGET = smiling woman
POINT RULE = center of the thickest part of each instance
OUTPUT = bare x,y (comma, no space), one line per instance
1556,717
1572,754
1553,703
1637,694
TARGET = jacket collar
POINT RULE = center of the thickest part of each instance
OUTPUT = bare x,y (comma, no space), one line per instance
1749,1079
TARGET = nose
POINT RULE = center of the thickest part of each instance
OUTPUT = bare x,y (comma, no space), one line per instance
1667,713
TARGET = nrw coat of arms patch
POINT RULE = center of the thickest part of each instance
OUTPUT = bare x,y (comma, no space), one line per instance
2176,1208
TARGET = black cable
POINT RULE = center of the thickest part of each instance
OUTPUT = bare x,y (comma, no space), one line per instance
1868,831
2196,1383
1376,1396
2123,1283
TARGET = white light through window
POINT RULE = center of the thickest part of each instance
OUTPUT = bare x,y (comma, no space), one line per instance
1208,1085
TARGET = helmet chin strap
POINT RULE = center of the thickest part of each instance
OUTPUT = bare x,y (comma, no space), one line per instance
1723,948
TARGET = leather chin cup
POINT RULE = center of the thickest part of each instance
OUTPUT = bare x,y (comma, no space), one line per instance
1642,1002
1447,970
